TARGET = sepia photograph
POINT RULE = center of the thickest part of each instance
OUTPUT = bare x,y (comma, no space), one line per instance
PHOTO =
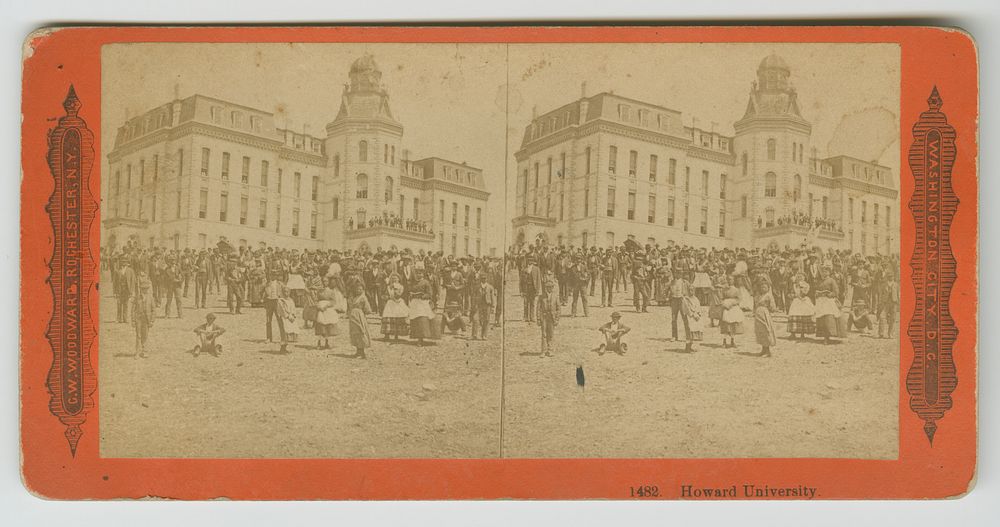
704,257
301,249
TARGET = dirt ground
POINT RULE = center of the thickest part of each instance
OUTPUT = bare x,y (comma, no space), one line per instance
443,401
440,401
807,400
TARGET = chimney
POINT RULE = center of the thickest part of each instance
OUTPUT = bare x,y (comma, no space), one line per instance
534,112
583,90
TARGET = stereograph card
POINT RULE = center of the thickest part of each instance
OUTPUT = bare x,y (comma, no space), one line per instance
499,262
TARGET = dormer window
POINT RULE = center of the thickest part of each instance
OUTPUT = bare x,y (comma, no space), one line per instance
624,112
255,123
217,114
236,119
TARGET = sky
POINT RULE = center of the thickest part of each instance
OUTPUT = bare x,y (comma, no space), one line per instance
453,99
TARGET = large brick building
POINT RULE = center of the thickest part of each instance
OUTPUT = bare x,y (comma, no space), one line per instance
197,170
603,167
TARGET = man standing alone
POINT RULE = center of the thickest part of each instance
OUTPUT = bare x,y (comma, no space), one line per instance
273,292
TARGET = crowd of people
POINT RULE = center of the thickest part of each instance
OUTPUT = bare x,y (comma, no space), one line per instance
391,220
804,220
417,295
825,293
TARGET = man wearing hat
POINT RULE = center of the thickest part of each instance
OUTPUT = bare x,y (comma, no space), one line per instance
640,285
531,284
172,280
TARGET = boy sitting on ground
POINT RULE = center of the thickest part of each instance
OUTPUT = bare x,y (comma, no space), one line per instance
207,333
613,332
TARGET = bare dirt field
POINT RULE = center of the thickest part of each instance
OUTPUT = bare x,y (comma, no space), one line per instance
439,401
808,400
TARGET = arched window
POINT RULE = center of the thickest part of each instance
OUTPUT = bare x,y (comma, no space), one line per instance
336,166
797,192
744,164
770,185
388,189
362,187
772,147
363,151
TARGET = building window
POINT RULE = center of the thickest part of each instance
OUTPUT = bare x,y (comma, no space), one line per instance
178,204
223,206
217,114
687,179
392,155
797,190
672,172
562,165
587,155
205,154
281,178
336,166
670,212
633,163
263,173
652,168
585,239
416,208
180,162
825,210
454,213
722,186
441,216
385,153
704,183
335,205
479,247
524,198
441,242
156,167
850,210
800,153
722,223
262,214
244,205
362,218
631,205
202,204
466,245
297,184
770,185
794,149
225,166
651,213
874,214
772,147
769,217
362,187
454,244
611,202
295,222
586,202
810,204
612,159
744,161
152,212
363,151
562,206
687,214
236,119
704,220
313,220
549,171
466,215
888,220
864,211
277,218
388,189
743,206
245,174
548,204
535,186
479,217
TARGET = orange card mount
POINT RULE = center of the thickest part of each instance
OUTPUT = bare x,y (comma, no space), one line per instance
127,202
